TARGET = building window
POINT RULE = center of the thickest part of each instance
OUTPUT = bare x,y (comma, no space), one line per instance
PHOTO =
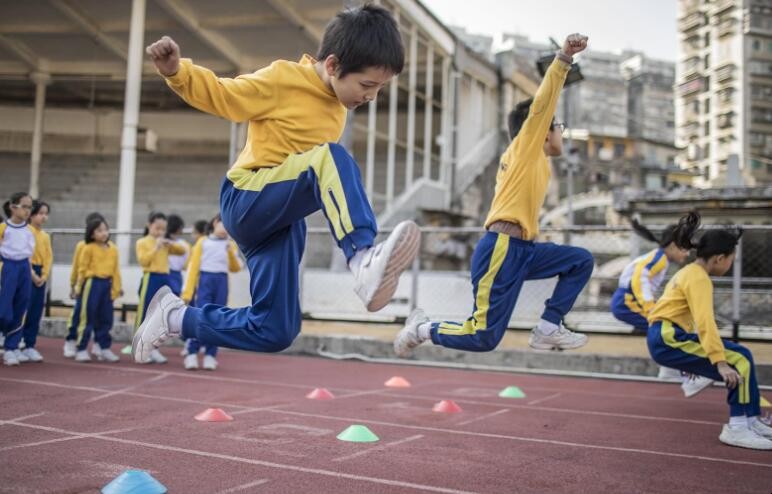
707,40
707,62
619,150
707,128
707,106
756,45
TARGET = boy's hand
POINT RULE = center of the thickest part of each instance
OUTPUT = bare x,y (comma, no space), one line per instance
165,54
573,44
730,376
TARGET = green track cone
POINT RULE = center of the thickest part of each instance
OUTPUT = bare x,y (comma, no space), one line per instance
512,392
126,350
358,434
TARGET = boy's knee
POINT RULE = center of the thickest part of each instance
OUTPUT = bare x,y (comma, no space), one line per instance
279,343
487,340
585,258
745,352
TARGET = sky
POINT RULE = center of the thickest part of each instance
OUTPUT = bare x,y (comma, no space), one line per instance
612,25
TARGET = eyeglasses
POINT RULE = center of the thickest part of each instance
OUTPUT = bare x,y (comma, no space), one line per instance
558,125
22,206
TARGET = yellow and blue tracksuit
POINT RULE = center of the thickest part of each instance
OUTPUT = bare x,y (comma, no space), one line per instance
16,249
155,271
683,335
99,283
74,321
42,259
500,263
288,169
178,264
634,298
211,260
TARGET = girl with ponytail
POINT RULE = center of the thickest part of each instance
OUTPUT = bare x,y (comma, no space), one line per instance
684,335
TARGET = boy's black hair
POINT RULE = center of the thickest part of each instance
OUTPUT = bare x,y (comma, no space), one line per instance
37,205
717,242
15,199
174,225
366,36
91,227
679,234
154,215
200,227
210,225
517,117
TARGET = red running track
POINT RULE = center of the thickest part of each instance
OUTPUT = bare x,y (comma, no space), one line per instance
67,427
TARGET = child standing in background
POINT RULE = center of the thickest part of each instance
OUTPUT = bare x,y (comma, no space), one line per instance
99,284
41,261
17,245
70,343
211,260
153,256
177,263
684,335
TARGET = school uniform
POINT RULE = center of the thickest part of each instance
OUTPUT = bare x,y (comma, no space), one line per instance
155,269
178,264
640,280
16,249
42,260
99,284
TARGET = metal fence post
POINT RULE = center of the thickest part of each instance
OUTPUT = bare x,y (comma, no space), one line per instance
414,286
736,286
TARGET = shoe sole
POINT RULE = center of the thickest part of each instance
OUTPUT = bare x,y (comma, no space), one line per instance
553,346
151,308
402,255
745,446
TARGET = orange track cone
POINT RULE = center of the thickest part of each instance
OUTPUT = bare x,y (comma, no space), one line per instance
397,382
320,394
447,406
213,415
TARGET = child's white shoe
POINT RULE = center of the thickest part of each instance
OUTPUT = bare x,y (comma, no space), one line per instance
408,337
377,269
669,374
9,358
70,349
560,339
154,330
743,437
82,356
761,428
106,355
210,363
190,362
32,355
157,357
695,384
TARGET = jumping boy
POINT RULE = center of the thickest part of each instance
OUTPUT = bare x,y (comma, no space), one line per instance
289,168
506,255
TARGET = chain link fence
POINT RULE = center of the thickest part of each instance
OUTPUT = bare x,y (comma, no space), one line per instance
439,281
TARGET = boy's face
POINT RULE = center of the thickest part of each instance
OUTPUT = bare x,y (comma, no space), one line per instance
553,145
357,88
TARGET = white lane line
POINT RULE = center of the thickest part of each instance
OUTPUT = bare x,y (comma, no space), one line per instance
542,400
483,417
129,388
378,448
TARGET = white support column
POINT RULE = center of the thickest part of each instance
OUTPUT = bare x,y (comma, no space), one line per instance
41,80
428,112
130,122
233,144
447,117
392,145
412,78
372,113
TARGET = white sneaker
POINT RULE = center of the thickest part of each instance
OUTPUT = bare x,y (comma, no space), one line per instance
669,374
82,356
9,358
190,362
694,384
20,356
408,337
378,273
743,437
70,349
106,355
761,429
210,363
96,349
154,330
561,339
32,354
157,357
